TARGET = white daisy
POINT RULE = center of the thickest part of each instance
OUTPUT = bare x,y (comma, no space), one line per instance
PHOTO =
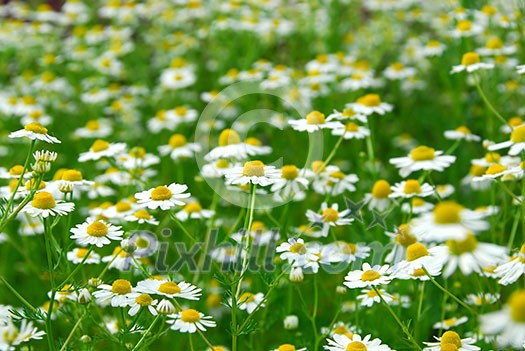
249,302
194,210
253,172
450,323
100,149
298,254
138,301
34,131
352,131
452,338
45,205
116,294
142,216
77,255
471,62
368,276
188,321
347,115
410,188
178,147
369,297
170,289
513,269
97,233
461,133
314,121
369,104
163,197
422,158
329,217
354,342
516,142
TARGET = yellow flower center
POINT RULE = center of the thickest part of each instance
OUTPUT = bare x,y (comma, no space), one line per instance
123,206
398,66
415,251
144,300
193,207
229,137
258,227
447,212
515,121
450,337
433,44
349,248
495,169
315,117
177,140
16,170
492,157
351,127
464,130
370,100
477,171
137,152
370,275
356,346
161,193
494,43
121,287
348,112
99,145
190,316
470,58
286,347
93,125
35,127
412,186
318,166
464,26
97,229
459,247
253,169
43,201
489,10
381,189
213,300
72,175
142,214
222,163
422,153
341,329
330,215
247,297
169,288
289,172
253,141
142,243
298,248
518,135
403,237
517,306
81,253
448,347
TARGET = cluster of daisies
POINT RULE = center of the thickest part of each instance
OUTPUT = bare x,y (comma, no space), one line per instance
364,222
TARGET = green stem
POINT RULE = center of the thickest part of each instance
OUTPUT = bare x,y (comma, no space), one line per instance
487,102
141,341
20,297
47,239
332,154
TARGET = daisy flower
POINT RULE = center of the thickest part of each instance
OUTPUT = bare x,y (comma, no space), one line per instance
298,254
481,299
512,270
169,289
368,276
461,133
516,142
451,338
369,104
352,131
329,217
417,257
45,205
231,146
249,301
402,238
416,206
253,172
100,149
368,297
188,321
178,147
194,210
313,122
470,255
291,185
97,233
422,158
450,323
354,342
342,251
410,188
288,347
11,335
163,197
142,216
379,198
507,324
138,301
95,128
333,181
449,220
471,62
347,115
143,243
398,71
35,131
78,255
116,294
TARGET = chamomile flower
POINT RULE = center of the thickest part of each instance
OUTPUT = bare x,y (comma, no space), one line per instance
313,122
481,299
98,233
291,185
288,347
45,205
95,128
253,172
451,341
449,220
379,197
352,131
410,188
34,131
169,289
188,321
450,323
416,206
249,301
194,210
329,217
422,158
368,276
354,342
178,147
138,301
419,257
461,133
369,104
516,142
471,62
347,115
398,71
116,294
298,254
101,148
231,146
510,271
78,255
333,181
507,324
163,197
12,335
342,251
142,216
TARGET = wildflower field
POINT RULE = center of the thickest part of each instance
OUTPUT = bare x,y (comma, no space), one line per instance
266,175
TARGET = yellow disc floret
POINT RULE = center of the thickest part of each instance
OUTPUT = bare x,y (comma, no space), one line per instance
43,201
